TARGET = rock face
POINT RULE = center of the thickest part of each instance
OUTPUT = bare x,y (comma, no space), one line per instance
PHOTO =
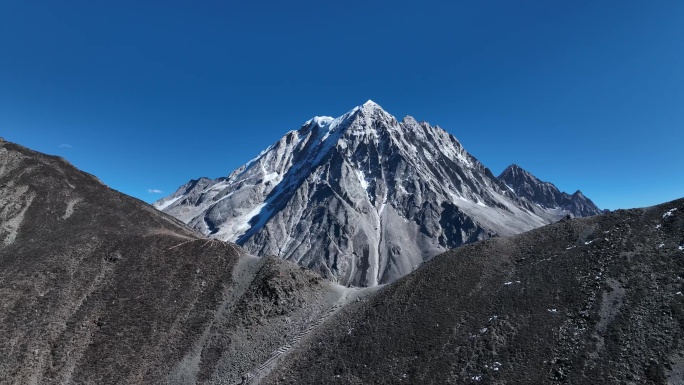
545,194
363,198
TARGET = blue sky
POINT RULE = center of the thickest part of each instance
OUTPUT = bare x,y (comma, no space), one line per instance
146,95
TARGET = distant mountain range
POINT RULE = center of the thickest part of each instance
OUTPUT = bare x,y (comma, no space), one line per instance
364,198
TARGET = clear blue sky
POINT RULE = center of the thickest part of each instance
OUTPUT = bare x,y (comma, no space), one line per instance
149,94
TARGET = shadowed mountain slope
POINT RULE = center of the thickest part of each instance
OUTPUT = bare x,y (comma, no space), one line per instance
100,288
588,301
95,286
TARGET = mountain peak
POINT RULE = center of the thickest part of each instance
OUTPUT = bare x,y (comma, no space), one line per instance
371,104
408,119
545,194
515,169
361,198
370,107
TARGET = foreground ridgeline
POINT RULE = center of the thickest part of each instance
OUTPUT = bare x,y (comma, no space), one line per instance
364,199
594,300
96,287
99,288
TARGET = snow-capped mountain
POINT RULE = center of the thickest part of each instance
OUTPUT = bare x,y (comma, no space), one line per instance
362,198
545,194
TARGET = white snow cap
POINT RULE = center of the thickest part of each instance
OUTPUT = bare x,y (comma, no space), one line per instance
320,120
371,105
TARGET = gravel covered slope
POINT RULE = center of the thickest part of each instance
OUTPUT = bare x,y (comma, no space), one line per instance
93,285
99,288
586,301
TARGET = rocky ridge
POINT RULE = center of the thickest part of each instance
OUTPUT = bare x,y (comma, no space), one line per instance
545,194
